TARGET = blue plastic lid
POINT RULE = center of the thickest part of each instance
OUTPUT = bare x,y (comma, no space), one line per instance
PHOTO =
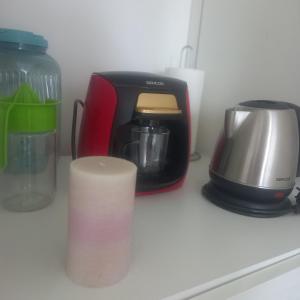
22,37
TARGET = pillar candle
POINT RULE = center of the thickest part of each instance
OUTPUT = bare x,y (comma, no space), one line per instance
101,202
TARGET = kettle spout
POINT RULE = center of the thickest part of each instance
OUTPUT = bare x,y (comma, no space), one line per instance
234,118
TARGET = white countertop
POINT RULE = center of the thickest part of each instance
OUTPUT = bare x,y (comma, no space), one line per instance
183,244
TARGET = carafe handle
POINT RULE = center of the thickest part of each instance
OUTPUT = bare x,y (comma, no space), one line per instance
74,125
125,146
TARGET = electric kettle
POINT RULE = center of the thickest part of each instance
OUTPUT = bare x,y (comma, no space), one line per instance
256,159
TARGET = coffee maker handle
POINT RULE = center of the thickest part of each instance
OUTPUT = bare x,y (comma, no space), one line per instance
74,123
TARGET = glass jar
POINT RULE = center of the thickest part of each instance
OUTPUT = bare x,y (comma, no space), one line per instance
30,93
23,59
29,175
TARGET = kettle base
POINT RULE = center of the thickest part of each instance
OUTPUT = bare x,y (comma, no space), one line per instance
241,206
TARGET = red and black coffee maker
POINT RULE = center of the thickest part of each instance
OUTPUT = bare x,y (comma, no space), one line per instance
141,117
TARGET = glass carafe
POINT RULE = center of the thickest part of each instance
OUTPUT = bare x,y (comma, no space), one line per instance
148,148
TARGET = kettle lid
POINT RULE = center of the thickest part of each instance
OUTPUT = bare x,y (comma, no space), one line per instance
266,104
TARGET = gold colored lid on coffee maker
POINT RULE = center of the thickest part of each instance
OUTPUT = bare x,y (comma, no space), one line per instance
152,103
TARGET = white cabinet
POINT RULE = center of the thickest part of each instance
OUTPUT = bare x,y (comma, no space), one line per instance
285,286
183,245
281,277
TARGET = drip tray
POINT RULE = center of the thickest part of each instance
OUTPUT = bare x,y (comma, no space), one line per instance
149,182
241,206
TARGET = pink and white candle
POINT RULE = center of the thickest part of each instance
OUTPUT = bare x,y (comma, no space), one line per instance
101,202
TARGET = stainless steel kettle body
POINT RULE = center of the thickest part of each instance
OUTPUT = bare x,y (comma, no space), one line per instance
258,147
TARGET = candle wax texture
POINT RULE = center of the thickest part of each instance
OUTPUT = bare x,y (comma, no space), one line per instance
101,202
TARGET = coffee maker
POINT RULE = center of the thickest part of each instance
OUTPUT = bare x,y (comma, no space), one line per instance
141,117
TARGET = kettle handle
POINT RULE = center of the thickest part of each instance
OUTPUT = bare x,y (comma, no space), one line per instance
297,110
74,123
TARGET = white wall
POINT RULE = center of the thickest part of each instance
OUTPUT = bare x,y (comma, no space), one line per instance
250,49
100,35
